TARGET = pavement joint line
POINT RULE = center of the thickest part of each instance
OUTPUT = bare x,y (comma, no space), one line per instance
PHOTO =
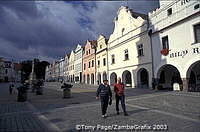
130,98
21,112
35,111
165,113
71,107
44,119
189,95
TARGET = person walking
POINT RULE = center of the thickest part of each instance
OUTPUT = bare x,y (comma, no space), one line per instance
105,94
119,95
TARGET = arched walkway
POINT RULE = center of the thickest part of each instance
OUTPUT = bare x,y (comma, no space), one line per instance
143,78
126,78
92,78
167,76
113,78
193,77
84,80
104,76
99,78
88,79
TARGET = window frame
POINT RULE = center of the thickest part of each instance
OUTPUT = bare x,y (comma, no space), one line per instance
164,40
104,61
92,63
98,63
126,55
195,33
112,59
140,49
169,12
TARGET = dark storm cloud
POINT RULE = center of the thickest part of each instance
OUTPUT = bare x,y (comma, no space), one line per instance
51,29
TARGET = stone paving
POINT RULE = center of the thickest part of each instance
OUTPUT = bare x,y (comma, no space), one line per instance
180,111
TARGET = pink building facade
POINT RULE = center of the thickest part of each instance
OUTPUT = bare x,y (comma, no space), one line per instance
89,66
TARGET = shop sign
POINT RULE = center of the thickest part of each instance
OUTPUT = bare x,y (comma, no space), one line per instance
183,53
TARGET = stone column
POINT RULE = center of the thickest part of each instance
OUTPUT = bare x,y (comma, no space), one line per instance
185,84
155,83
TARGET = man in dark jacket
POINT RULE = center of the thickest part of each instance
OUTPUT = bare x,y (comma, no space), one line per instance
104,93
119,95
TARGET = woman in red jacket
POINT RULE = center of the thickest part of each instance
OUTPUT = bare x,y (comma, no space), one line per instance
119,95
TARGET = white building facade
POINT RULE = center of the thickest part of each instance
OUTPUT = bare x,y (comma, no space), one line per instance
175,38
78,60
61,69
71,67
48,73
66,65
101,59
129,50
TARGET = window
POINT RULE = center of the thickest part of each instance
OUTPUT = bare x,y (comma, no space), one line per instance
196,6
113,59
140,50
123,31
89,51
98,63
126,54
89,65
169,12
100,46
165,42
6,71
197,33
86,52
104,61
92,63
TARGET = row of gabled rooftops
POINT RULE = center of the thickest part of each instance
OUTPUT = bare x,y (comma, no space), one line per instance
133,14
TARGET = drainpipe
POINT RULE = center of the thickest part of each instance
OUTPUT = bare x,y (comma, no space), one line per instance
107,63
152,57
95,51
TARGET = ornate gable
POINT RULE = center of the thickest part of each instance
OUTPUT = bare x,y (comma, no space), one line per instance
126,21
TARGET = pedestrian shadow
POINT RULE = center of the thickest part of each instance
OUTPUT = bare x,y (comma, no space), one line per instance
130,113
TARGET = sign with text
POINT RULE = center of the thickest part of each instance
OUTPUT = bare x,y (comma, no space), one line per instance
183,53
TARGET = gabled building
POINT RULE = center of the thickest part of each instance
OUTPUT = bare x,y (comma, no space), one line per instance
175,37
17,72
1,70
101,59
56,70
71,67
129,50
78,58
66,66
89,69
49,72
8,71
61,69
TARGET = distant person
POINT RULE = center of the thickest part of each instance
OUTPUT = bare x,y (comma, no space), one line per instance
105,94
119,95
11,87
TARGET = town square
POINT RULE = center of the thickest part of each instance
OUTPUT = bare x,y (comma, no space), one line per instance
70,66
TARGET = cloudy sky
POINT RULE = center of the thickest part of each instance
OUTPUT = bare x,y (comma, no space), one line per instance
50,29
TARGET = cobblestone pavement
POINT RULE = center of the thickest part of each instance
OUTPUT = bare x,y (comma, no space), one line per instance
180,111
